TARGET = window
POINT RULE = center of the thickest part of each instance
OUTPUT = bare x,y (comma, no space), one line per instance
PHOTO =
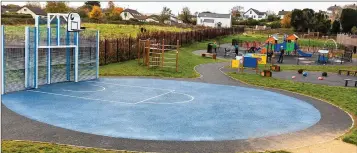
25,9
250,12
253,16
260,16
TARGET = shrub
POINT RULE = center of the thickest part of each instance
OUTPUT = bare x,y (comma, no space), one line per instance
275,25
300,71
15,15
324,74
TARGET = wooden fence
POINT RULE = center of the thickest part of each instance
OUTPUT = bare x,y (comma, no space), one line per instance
347,40
124,49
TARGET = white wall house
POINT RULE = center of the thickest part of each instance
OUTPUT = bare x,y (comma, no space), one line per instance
214,20
254,14
282,13
128,14
151,19
32,11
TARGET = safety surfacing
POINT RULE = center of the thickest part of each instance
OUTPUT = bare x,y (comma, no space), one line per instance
154,109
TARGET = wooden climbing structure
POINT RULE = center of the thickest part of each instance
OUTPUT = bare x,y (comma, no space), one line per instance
157,54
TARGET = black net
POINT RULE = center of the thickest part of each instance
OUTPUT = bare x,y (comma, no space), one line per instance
14,56
87,55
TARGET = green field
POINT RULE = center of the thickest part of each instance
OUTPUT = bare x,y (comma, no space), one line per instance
346,98
106,30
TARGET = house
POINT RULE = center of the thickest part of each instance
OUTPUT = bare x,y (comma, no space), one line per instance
214,20
173,20
282,13
152,18
128,14
254,14
32,11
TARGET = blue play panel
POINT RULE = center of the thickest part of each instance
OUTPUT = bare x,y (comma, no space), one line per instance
153,109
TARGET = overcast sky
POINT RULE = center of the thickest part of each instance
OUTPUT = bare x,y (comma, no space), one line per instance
217,7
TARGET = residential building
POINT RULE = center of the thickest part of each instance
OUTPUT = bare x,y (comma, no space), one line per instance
254,14
282,13
33,11
128,14
214,20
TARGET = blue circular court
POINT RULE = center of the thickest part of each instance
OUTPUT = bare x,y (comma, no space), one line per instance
153,109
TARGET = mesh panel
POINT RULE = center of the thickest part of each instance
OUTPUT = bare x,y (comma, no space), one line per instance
87,55
31,58
42,66
14,56
59,64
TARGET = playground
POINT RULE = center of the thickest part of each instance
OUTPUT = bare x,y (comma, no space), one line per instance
57,95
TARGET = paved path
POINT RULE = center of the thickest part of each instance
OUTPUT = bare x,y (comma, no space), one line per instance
334,122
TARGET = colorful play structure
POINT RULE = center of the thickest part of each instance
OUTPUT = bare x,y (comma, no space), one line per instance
157,54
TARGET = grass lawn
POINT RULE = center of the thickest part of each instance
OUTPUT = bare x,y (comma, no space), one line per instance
36,147
302,42
346,98
187,62
17,32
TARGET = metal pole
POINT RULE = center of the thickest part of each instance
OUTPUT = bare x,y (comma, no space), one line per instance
97,57
26,54
48,56
76,53
2,67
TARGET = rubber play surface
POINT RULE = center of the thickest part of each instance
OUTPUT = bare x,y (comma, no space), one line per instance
153,109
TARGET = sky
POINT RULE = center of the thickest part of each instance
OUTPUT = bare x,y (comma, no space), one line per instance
217,7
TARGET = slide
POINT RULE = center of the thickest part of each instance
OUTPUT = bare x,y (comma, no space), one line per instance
303,54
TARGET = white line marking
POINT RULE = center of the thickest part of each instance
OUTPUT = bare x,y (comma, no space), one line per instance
103,88
78,97
129,86
154,97
180,102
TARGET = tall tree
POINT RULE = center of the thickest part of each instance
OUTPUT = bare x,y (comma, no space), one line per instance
96,14
185,15
164,15
56,7
297,20
309,19
322,22
111,6
348,19
235,11
286,21
335,27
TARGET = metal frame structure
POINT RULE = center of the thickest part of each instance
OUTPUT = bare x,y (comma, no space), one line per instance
32,38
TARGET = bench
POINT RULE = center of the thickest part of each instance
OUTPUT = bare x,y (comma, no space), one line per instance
347,71
209,54
347,80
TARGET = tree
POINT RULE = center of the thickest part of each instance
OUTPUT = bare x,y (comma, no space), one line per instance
96,14
273,17
56,7
83,11
185,15
348,19
297,20
235,11
286,21
322,23
270,12
309,19
354,30
164,15
92,3
111,6
115,14
335,27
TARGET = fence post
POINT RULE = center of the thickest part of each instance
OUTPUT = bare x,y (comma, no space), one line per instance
105,51
129,48
117,49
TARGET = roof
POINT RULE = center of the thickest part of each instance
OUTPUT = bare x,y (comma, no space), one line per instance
282,12
136,14
36,10
256,12
214,15
271,40
292,37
